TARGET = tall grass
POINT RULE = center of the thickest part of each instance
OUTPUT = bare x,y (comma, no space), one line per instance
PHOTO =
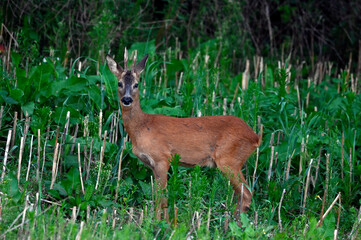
310,121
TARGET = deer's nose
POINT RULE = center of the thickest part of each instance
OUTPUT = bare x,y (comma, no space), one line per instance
127,101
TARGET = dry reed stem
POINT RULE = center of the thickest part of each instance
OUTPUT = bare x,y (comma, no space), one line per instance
86,126
289,165
36,203
308,94
54,171
6,155
80,172
256,60
66,128
198,220
349,67
131,215
270,165
116,128
100,123
29,164
278,137
224,106
24,213
301,161
112,123
141,217
226,221
100,166
217,81
8,58
85,157
271,140
276,159
114,218
279,211
235,94
338,218
152,186
319,223
306,188
356,225
255,169
26,126
38,158
79,68
14,130
87,213
245,77
20,157
58,163
62,142
299,101
165,76
326,186
208,218
78,235
101,157
73,215
351,165
314,180
180,82
119,170
42,168
90,158
74,139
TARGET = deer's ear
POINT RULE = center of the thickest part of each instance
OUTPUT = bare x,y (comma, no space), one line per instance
114,67
138,69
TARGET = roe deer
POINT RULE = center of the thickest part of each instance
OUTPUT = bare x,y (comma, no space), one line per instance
224,142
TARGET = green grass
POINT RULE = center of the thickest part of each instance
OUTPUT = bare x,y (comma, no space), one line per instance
200,199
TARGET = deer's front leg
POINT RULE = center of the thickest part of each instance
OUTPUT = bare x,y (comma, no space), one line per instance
160,172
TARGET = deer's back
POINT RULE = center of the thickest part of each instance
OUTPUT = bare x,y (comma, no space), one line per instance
195,139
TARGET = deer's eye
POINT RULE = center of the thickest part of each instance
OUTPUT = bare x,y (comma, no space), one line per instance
120,84
135,85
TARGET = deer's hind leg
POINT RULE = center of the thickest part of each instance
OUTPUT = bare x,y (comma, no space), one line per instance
160,172
239,184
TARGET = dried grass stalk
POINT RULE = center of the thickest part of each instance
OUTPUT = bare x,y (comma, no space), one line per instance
6,155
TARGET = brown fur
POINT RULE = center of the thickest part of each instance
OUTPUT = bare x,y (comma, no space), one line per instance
224,142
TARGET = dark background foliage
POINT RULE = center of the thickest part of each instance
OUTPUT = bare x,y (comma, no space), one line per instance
323,29
291,68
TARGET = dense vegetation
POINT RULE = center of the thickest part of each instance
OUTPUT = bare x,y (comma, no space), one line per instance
67,169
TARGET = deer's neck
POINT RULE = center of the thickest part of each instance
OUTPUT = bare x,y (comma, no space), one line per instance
133,119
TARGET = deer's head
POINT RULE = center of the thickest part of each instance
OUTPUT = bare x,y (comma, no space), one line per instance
127,79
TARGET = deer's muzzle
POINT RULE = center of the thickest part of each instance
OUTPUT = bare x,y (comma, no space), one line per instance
127,101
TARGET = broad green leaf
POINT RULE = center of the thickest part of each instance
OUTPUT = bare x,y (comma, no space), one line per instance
4,96
89,192
56,87
16,94
60,189
28,108
16,58
94,94
146,188
75,84
244,220
235,229
111,89
143,48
